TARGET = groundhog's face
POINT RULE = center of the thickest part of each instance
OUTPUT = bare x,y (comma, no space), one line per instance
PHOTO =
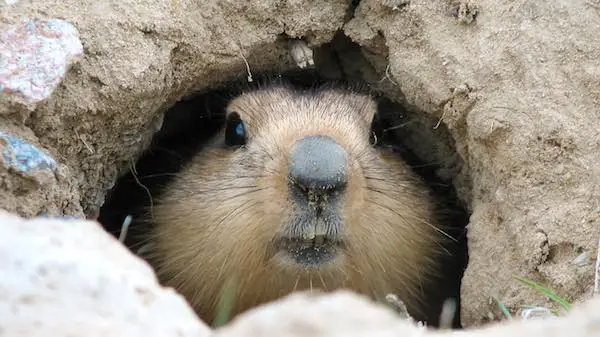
305,152
293,195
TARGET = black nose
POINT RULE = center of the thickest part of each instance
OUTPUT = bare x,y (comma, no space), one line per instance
318,164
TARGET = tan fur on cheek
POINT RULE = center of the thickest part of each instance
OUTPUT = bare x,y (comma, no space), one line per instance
394,235
208,229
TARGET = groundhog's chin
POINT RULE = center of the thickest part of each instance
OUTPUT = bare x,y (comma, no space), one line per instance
317,253
311,237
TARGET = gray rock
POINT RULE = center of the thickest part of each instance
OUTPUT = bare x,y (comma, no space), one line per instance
23,157
69,277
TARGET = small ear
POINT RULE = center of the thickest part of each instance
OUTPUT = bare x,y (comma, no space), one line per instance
360,104
365,106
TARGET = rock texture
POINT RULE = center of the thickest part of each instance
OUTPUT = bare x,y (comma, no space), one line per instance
345,314
67,278
32,181
514,82
35,57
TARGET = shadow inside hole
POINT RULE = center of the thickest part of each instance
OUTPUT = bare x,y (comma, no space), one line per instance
193,121
398,129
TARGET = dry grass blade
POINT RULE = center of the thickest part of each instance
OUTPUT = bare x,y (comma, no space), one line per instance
125,228
447,315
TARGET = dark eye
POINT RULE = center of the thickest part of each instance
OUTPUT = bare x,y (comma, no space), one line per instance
235,132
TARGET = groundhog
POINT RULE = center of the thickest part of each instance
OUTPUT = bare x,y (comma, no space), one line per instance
293,195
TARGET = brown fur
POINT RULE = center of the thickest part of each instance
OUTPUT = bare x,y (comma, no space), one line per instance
217,220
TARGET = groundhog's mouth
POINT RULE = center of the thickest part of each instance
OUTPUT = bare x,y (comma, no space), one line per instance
311,252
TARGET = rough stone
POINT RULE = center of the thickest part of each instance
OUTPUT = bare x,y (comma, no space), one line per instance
32,182
69,277
345,314
35,56
24,158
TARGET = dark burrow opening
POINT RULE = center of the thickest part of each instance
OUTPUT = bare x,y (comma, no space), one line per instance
195,119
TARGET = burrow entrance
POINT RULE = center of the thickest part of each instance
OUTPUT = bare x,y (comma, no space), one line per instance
425,144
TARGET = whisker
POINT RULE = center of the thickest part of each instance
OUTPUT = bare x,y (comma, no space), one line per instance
133,170
419,220
234,212
225,188
403,190
244,194
399,126
156,175
322,281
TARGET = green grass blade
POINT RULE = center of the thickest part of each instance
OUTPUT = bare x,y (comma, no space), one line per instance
225,304
546,292
503,308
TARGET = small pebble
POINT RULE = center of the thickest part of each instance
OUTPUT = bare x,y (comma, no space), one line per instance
22,157
35,56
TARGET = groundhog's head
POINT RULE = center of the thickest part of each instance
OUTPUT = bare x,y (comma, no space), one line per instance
305,152
293,195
